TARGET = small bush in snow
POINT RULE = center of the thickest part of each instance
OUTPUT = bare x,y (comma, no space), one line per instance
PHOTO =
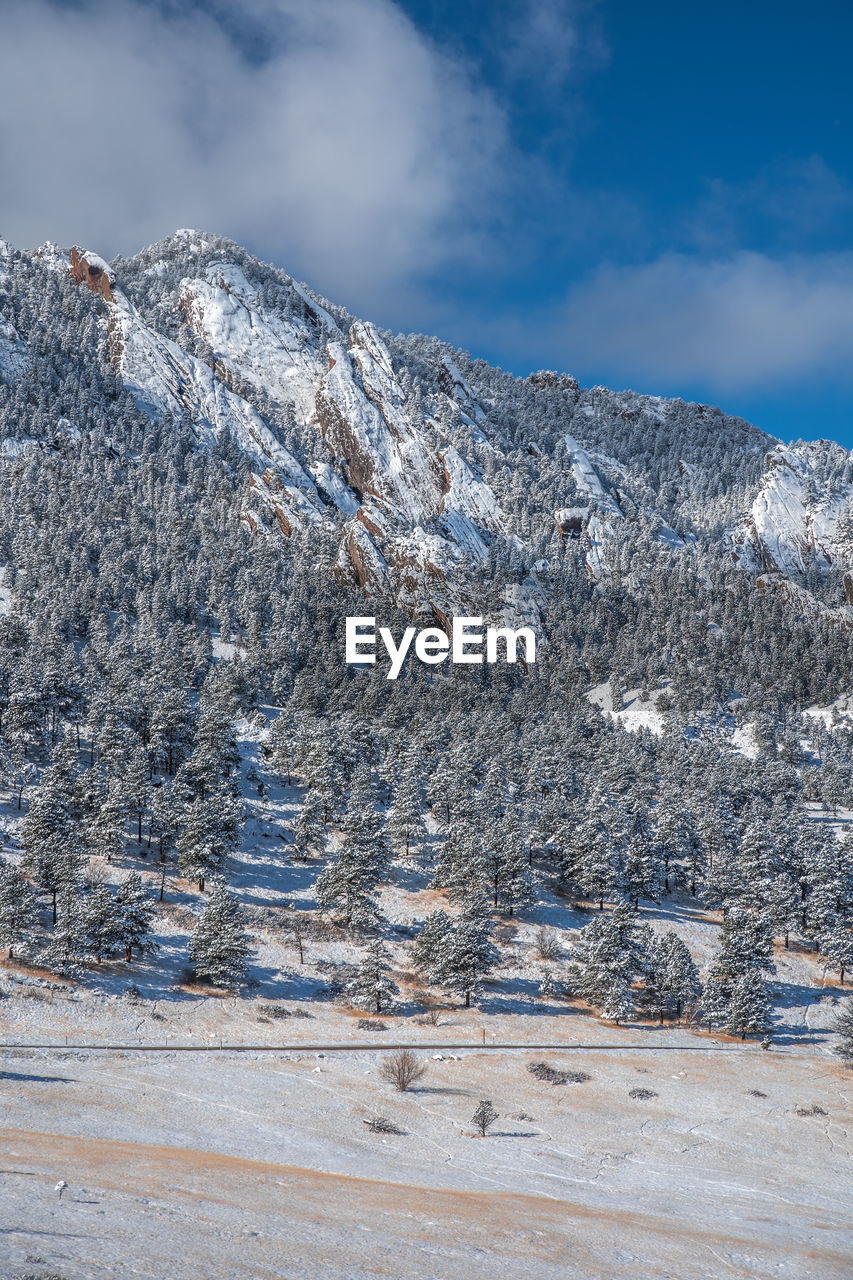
402,1069
547,944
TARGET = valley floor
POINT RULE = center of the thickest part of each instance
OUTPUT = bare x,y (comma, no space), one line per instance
218,1165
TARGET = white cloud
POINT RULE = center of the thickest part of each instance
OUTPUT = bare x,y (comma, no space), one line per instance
355,153
543,40
741,322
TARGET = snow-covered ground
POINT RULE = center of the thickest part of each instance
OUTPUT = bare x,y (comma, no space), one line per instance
228,1165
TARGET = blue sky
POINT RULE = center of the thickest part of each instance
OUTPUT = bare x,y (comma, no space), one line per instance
654,195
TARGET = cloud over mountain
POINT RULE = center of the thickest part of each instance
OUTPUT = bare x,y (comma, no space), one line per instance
334,136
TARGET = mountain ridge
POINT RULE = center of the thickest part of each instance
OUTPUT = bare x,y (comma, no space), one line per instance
422,459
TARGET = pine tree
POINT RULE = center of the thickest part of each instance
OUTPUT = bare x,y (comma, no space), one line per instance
18,910
716,1000
426,950
135,911
219,946
782,900
756,855
462,867
843,1028
99,923
456,953
484,1117
685,987
468,954
605,960
50,833
105,830
347,886
749,1007
405,821
547,987
309,832
670,977
746,942
506,866
373,987
134,787
66,949
210,833
594,852
837,950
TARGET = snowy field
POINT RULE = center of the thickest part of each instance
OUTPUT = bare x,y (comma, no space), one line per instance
226,1165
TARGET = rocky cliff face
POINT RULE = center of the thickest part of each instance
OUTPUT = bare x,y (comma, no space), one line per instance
413,508
802,514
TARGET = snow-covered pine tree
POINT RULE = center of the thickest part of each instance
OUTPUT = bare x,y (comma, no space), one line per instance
373,988
685,987
347,886
749,1008
466,955
135,912
717,1000
405,820
547,987
606,958
506,865
134,787
219,946
746,942
65,950
426,949
18,910
836,947
100,922
670,977
484,1117
595,852
310,831
210,832
105,829
782,901
50,837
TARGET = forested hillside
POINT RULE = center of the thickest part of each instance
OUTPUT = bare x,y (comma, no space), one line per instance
204,469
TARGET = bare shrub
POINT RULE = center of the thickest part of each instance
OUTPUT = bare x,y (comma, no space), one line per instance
402,1069
642,1094
371,1024
432,1018
547,944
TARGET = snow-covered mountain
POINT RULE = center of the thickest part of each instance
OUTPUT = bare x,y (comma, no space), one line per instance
427,464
